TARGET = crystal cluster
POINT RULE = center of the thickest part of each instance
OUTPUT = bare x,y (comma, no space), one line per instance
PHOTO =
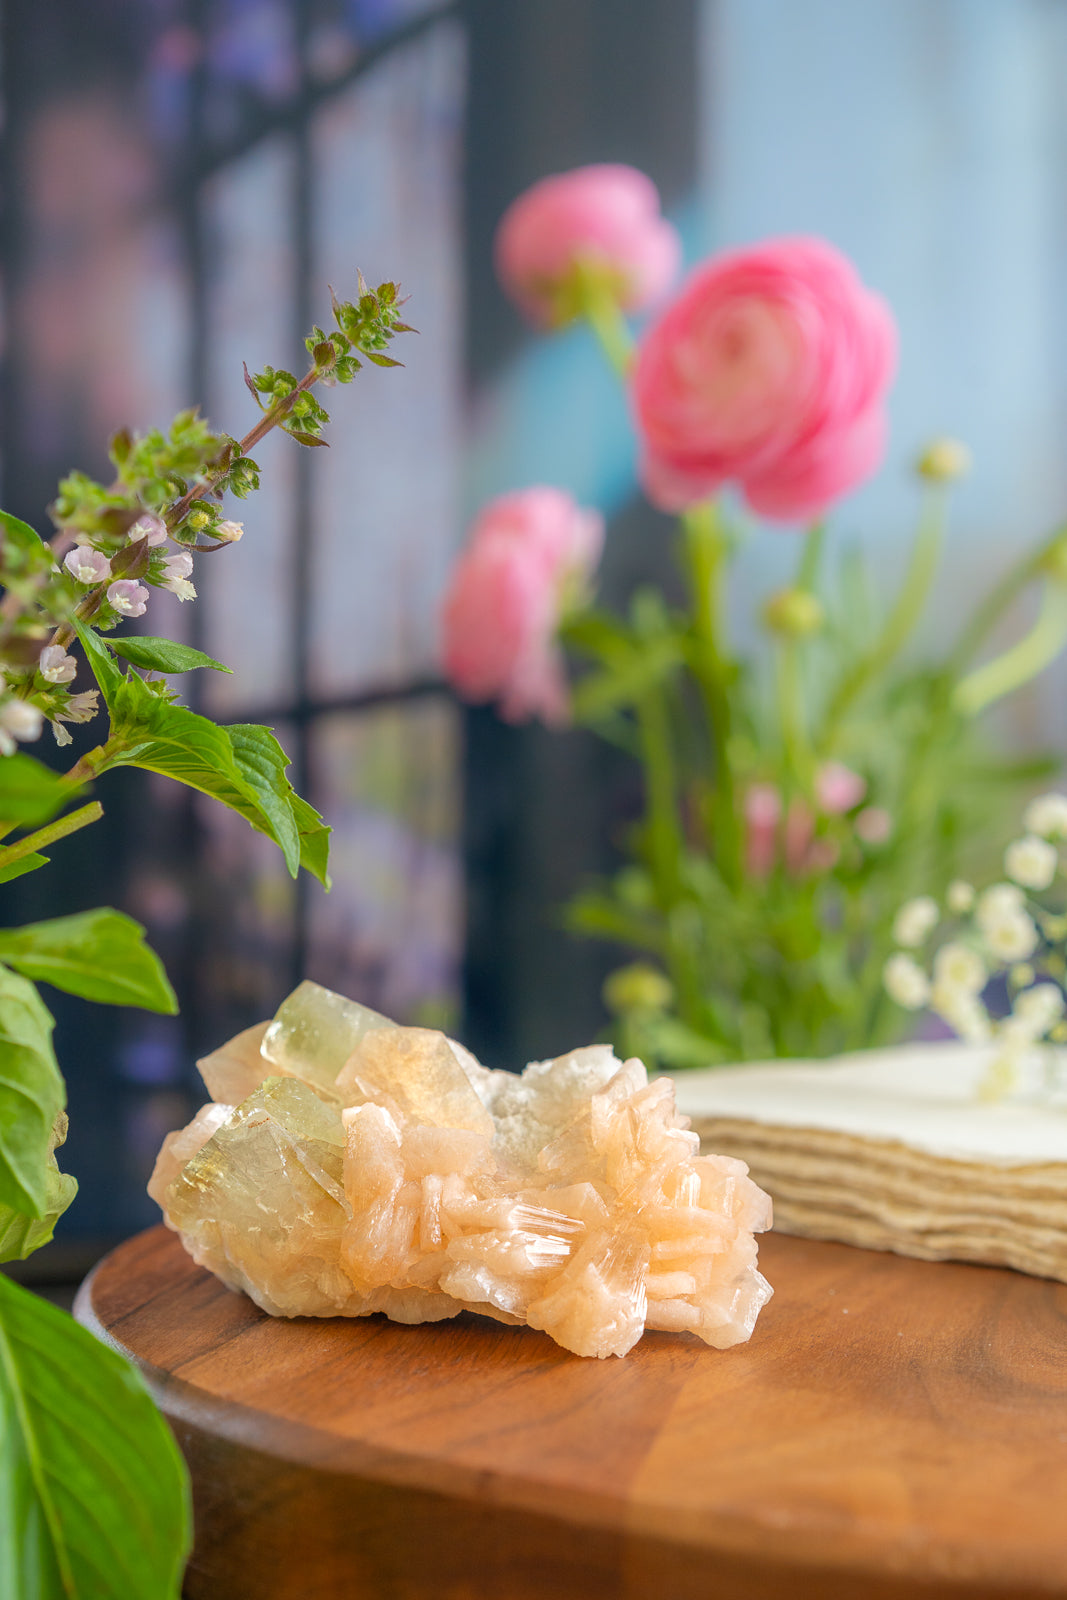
347,1166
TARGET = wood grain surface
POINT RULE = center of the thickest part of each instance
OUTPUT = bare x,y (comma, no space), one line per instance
895,1428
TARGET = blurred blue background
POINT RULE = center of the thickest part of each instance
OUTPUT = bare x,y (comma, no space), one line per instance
183,178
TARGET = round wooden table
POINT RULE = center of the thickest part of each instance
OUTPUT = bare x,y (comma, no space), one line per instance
895,1428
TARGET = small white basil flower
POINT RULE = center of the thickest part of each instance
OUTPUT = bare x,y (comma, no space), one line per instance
55,666
1031,861
87,565
915,919
21,720
128,597
1047,815
906,982
228,532
176,571
149,527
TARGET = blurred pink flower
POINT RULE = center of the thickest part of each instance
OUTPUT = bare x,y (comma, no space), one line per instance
874,825
606,216
763,812
838,788
529,554
769,370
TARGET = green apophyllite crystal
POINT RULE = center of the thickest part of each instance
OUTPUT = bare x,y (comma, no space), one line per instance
315,1031
262,1204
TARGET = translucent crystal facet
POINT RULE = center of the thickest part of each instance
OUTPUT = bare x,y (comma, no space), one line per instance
387,1170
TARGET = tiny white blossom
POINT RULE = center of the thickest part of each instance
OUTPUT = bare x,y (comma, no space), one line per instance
228,532
1047,815
958,967
1031,861
959,898
87,565
55,666
915,919
128,598
176,571
964,1013
1013,938
149,527
1040,1006
21,720
993,905
906,982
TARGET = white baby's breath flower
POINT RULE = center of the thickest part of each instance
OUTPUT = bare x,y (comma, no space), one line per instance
959,897
1031,861
958,967
1040,1006
1047,815
906,982
964,1013
993,905
1013,938
915,919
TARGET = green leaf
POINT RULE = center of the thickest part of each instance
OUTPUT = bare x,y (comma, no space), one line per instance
162,655
243,767
19,536
262,762
30,792
104,670
16,869
90,1476
21,1235
314,840
100,955
31,1095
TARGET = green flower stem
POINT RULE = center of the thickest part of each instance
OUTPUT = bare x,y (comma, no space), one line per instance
795,744
1006,592
901,621
600,308
55,830
811,556
665,843
705,550
1031,655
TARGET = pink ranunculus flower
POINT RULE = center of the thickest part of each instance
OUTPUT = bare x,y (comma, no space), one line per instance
529,553
606,216
768,370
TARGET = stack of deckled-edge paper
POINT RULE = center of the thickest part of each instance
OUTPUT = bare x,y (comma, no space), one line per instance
895,1150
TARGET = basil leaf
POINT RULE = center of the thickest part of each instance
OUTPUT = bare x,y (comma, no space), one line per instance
162,655
93,1492
30,792
24,864
100,955
31,1096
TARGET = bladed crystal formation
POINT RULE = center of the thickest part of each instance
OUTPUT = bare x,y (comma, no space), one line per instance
347,1166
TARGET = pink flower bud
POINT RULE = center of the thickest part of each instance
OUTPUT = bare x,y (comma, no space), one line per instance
606,217
229,532
838,788
55,666
768,370
874,825
763,813
149,527
527,551
87,565
128,598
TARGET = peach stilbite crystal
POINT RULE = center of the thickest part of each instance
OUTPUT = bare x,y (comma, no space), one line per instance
370,1167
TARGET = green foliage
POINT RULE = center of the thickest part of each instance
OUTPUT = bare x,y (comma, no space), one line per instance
100,955
162,655
20,1234
9,870
31,1095
92,1488
30,792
